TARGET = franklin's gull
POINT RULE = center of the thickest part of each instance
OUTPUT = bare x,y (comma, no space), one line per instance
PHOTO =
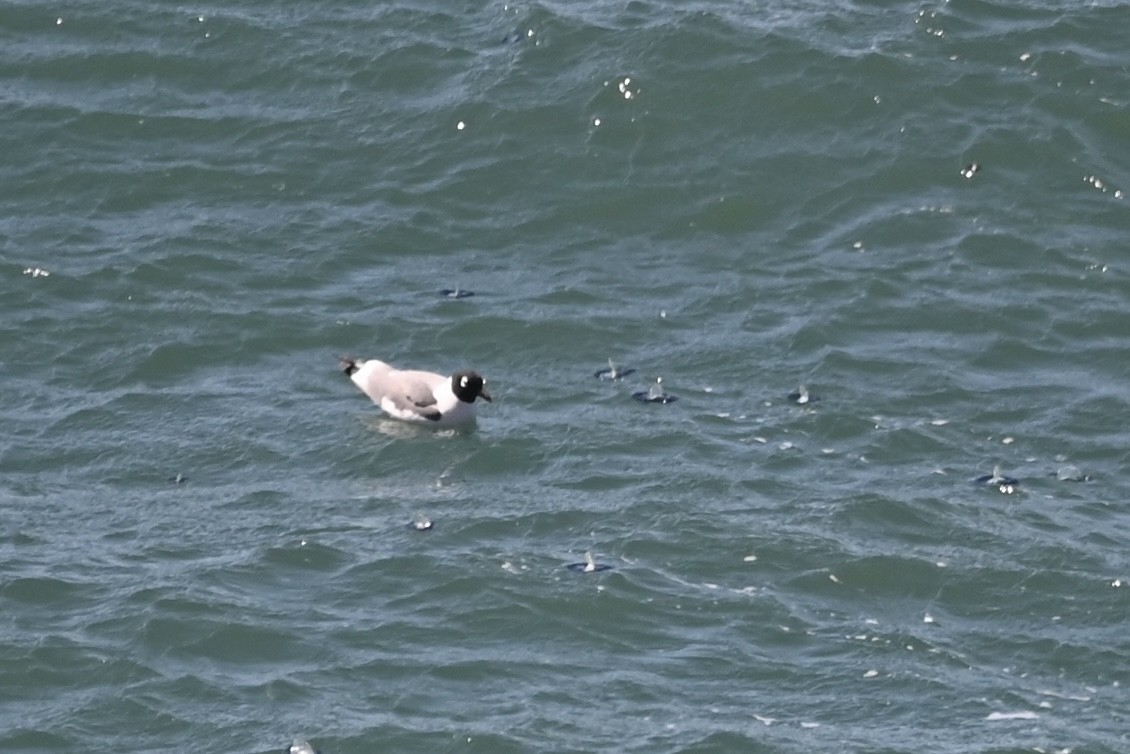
418,396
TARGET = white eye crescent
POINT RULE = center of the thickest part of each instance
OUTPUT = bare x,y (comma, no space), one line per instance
462,382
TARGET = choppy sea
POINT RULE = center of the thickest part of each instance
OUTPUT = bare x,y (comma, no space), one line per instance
912,213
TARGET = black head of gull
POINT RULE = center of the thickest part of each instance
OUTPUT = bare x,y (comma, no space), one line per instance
467,385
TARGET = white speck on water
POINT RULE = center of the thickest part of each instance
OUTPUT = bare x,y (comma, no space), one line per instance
596,121
1008,440
927,618
58,21
759,439
750,559
1024,58
460,125
766,721
833,579
1116,583
37,272
871,674
857,245
809,725
1021,715
940,422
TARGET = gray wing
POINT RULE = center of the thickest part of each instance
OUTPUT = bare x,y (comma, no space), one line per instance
413,392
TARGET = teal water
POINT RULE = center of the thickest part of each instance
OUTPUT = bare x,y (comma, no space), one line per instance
204,536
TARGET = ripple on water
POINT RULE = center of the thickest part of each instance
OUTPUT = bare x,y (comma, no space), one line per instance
42,590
